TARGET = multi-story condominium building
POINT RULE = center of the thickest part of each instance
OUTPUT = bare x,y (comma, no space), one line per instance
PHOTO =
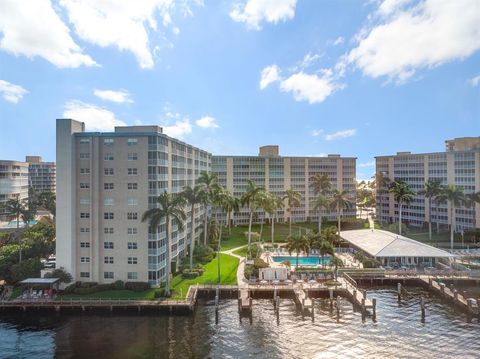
41,175
278,174
13,183
105,182
459,165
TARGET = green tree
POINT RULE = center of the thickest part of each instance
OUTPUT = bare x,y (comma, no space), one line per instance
61,274
169,208
193,196
208,183
402,194
231,206
15,208
293,200
272,203
297,244
454,197
470,200
431,190
320,202
29,268
321,187
251,199
47,201
340,201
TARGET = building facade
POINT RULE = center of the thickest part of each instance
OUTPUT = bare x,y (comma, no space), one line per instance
41,175
278,174
459,165
13,183
105,182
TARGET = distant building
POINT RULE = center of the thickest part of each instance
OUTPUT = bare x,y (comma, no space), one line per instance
41,175
105,182
13,183
278,174
459,165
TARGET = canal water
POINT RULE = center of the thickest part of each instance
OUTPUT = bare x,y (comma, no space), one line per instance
398,332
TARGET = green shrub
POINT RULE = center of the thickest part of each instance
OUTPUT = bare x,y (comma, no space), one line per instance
119,285
87,284
70,289
190,274
203,254
137,286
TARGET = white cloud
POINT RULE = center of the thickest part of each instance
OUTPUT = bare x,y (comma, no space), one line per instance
341,134
316,133
269,75
95,118
10,92
308,60
179,129
367,164
120,96
474,81
338,41
207,122
406,36
33,28
253,12
311,88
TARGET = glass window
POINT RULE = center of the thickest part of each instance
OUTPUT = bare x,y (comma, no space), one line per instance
108,215
108,157
132,141
84,215
132,186
132,215
132,275
84,140
84,200
108,245
108,260
107,230
132,230
132,171
108,186
108,202
84,259
132,157
84,274
84,185
108,275
108,141
132,260
132,201
84,171
84,156
108,171
84,244
132,245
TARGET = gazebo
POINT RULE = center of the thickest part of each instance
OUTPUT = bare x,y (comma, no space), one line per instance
50,285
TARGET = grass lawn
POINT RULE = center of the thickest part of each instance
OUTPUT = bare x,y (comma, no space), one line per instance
228,275
242,251
149,294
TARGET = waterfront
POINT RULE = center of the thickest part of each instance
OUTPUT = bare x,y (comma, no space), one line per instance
398,332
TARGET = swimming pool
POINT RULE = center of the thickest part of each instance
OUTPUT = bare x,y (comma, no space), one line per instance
303,261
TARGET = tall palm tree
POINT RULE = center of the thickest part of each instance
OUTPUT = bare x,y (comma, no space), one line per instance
403,194
272,203
209,185
340,201
192,196
470,200
15,208
297,244
293,200
454,197
251,199
431,191
170,207
321,187
321,202
231,206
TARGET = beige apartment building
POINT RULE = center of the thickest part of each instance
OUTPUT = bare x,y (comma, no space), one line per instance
13,183
459,165
105,182
41,175
278,174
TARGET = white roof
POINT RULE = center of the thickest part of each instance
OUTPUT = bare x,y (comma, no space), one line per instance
379,243
39,281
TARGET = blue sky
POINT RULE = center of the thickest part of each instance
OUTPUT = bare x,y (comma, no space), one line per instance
358,78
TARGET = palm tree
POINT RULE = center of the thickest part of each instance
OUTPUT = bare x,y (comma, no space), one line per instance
454,197
321,186
403,194
272,203
293,200
251,199
340,201
170,207
321,202
297,244
209,184
192,196
326,248
231,205
471,199
15,208
431,191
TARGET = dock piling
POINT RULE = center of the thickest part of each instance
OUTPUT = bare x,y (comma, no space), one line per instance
422,306
399,291
374,307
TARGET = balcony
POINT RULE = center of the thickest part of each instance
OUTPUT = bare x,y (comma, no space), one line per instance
158,177
157,162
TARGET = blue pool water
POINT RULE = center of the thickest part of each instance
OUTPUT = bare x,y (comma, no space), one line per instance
303,261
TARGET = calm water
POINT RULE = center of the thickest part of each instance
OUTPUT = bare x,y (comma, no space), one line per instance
397,333
303,261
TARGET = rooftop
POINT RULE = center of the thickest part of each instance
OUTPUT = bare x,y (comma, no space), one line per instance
39,281
379,243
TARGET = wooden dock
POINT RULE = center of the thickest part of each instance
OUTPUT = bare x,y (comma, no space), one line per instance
358,296
244,300
302,299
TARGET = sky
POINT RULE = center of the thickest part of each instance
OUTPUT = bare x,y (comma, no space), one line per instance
350,77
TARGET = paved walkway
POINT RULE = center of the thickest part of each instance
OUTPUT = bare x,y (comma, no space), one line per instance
241,281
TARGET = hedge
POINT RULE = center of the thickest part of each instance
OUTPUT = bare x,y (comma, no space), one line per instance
137,286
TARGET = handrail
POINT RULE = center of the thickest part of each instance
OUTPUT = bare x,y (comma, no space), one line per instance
349,280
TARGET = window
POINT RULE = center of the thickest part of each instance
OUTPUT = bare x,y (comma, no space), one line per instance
132,230
132,245
84,230
132,260
132,171
108,215
108,202
107,245
132,157
84,200
132,141
108,141
107,275
108,186
84,259
84,171
132,201
84,215
84,140
132,275
84,244
132,215
84,156
108,260
108,157
108,230
84,274
132,186
108,171
84,185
